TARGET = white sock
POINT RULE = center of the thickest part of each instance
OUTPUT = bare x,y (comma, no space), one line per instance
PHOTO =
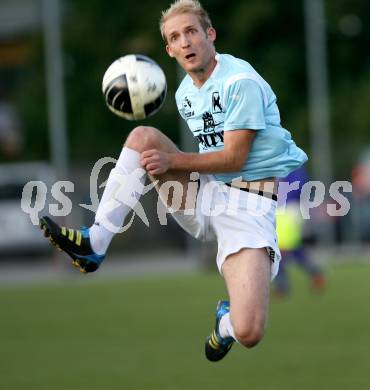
225,327
123,189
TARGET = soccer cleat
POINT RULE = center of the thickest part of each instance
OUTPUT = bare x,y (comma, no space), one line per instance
76,243
216,347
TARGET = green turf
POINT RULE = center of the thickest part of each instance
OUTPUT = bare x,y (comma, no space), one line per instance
149,333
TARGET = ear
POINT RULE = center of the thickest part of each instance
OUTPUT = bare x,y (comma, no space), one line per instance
211,34
169,51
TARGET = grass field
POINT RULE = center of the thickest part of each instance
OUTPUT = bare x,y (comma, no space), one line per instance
148,333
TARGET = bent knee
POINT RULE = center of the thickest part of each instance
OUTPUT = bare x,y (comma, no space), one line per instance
249,337
143,138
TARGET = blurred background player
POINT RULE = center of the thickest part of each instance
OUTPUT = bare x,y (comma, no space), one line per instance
290,231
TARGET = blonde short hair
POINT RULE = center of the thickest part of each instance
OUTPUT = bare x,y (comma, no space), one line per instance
183,7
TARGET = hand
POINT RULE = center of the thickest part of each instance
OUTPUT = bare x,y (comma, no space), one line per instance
155,162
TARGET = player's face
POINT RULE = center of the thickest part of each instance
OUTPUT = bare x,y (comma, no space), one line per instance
188,42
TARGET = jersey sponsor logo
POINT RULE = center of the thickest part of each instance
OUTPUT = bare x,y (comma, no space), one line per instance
216,103
187,101
209,123
208,137
186,105
211,140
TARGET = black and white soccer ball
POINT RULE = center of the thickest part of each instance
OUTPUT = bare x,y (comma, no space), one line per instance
134,87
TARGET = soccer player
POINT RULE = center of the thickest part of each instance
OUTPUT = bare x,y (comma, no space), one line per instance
231,110
290,227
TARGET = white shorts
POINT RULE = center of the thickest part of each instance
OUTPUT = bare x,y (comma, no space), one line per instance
234,218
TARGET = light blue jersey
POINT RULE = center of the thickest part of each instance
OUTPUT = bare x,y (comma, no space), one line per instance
236,97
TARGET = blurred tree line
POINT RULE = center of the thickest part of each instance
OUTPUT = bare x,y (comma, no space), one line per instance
267,33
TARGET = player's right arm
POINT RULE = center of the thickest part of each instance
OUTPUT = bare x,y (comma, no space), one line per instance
237,144
245,114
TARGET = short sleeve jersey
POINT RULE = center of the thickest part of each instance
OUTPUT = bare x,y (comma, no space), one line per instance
236,97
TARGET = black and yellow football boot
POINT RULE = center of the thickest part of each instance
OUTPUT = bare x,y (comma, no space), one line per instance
216,347
76,243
